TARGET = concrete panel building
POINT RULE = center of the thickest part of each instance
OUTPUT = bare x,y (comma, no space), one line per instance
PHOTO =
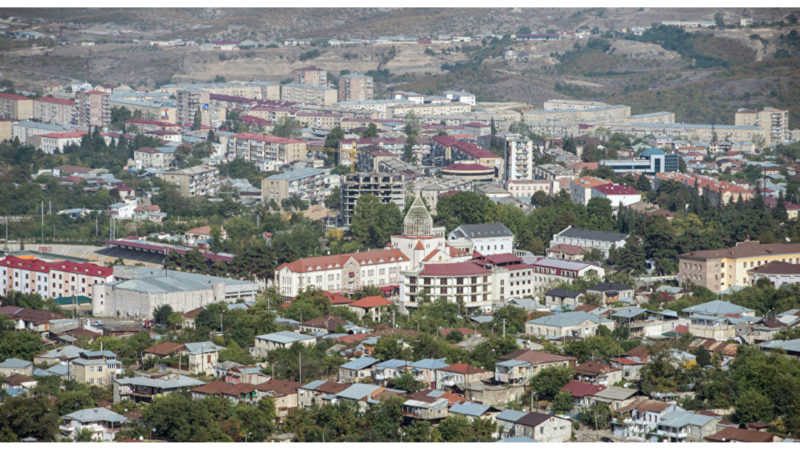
355,86
386,186
54,110
194,181
311,76
308,95
92,109
14,106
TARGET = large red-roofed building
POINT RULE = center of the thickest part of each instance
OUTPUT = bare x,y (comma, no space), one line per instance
51,279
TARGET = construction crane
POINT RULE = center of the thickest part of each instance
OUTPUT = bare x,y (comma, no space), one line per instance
353,152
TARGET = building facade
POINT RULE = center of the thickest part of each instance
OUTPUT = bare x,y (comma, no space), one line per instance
54,110
386,186
194,181
92,109
355,86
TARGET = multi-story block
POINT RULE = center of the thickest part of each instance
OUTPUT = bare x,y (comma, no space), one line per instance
342,273
308,183
446,150
99,368
51,279
54,110
722,269
465,282
93,109
190,101
550,272
386,186
194,181
55,142
311,76
267,152
774,121
308,95
14,106
486,239
355,86
519,158
617,194
650,161
155,158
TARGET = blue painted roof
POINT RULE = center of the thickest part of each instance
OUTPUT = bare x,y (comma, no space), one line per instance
313,385
510,415
431,364
716,307
568,319
360,363
518,439
392,364
91,415
469,409
652,151
15,363
358,391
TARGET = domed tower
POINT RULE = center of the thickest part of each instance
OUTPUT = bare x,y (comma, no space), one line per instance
418,221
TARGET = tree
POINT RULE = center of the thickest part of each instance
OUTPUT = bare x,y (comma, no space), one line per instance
702,356
197,123
752,406
332,201
643,184
597,417
28,417
22,345
174,320
161,314
550,380
373,223
408,383
454,428
412,127
85,435
408,150
562,402
371,131
514,318
287,127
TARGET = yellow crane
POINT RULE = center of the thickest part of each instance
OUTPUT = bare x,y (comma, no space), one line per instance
353,152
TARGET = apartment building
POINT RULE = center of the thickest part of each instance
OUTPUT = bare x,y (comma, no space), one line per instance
14,106
550,272
259,90
267,152
387,187
99,368
342,273
320,120
92,108
308,95
467,282
692,132
774,122
54,110
552,172
192,100
194,181
150,108
722,269
446,150
519,158
573,105
308,183
355,86
617,194
51,279
311,76
154,158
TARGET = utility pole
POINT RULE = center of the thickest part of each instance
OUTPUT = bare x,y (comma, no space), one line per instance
300,366
42,221
504,327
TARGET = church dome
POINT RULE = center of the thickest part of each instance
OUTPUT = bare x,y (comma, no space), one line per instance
418,221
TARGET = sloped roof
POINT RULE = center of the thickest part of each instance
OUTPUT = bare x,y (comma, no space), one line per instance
510,415
482,230
567,319
730,434
337,261
716,308
15,363
91,415
279,387
284,337
465,369
164,348
360,363
533,419
594,235
470,409
536,357
196,348
373,301
579,389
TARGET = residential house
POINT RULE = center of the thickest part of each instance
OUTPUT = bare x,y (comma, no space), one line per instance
519,366
567,325
641,418
731,434
474,411
425,370
598,373
99,368
357,370
236,393
311,394
323,325
562,297
101,422
163,350
611,291
506,421
283,392
683,426
203,357
581,393
543,427
13,366
426,405
18,381
280,339
391,369
460,376
245,374
145,388
372,307
615,397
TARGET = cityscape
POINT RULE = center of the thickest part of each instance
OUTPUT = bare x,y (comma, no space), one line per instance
400,225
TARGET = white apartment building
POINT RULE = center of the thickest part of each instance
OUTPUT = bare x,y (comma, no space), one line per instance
519,158
51,279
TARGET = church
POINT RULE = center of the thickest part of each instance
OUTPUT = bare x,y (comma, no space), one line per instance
423,243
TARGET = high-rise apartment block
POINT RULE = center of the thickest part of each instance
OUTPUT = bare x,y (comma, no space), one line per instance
311,76
354,87
93,109
774,121
386,186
